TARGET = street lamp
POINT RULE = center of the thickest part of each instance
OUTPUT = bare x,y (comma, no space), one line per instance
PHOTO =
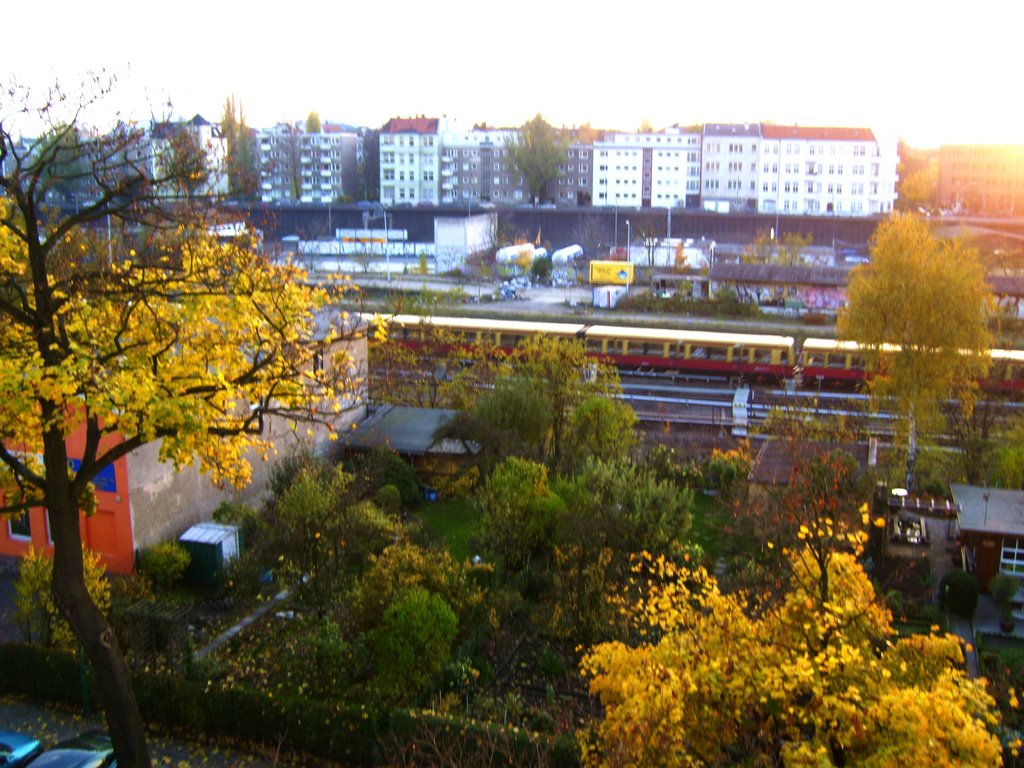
628,239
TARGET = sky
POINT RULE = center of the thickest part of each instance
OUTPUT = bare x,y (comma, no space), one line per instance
931,73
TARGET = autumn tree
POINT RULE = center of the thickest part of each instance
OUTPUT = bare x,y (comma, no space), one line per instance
611,511
920,312
537,153
918,174
241,161
545,408
124,323
313,123
823,680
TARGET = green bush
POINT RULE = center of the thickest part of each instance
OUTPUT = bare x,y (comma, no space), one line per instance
389,499
164,563
381,467
414,643
958,593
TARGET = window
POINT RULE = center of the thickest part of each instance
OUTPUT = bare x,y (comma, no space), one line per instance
19,528
389,174
1012,559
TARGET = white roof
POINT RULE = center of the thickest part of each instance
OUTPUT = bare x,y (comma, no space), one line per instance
209,533
699,337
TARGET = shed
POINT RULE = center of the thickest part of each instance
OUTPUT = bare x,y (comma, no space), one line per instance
211,546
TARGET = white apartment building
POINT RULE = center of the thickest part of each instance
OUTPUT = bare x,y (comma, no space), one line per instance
410,161
825,172
207,137
308,167
647,169
729,171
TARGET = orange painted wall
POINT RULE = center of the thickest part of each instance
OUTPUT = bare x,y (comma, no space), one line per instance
107,532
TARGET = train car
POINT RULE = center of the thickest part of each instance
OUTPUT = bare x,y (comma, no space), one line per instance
833,360
1007,370
756,355
500,333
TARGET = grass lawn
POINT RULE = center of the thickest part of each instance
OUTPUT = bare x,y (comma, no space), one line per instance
707,527
455,521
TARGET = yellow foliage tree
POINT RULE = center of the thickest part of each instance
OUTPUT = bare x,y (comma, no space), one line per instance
40,619
820,680
920,312
123,321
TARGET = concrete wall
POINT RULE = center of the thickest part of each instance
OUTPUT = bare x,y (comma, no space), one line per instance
165,501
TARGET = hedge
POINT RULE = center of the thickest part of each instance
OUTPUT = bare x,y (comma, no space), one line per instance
350,735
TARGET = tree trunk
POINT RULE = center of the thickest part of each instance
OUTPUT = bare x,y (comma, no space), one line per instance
91,628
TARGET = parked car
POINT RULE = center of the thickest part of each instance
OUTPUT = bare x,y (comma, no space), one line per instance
17,749
92,749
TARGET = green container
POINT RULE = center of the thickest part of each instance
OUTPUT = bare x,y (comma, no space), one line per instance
211,546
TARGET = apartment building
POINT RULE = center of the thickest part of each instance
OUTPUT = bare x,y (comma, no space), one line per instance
166,139
823,171
475,167
305,167
729,166
410,160
660,169
986,180
725,167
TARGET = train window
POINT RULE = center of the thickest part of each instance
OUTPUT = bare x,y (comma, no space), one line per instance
814,359
763,355
718,353
595,346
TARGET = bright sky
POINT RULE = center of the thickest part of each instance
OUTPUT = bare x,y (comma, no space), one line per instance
930,72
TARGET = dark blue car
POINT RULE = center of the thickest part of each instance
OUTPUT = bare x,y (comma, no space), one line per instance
17,750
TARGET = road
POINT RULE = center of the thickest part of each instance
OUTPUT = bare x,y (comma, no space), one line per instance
576,305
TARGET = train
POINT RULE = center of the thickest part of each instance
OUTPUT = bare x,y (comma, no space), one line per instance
749,356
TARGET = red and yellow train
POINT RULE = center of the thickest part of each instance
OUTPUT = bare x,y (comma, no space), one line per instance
747,355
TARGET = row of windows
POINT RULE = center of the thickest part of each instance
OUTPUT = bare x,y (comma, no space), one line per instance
400,140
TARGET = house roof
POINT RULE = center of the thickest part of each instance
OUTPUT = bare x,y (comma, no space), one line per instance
777,458
992,510
409,431
780,274
411,125
816,133
732,129
1006,285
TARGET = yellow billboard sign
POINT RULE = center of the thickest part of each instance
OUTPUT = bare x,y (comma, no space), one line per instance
611,272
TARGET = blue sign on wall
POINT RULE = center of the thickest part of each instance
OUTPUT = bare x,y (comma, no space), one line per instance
105,480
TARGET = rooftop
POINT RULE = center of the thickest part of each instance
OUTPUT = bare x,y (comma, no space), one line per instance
994,510
408,431
816,133
427,125
787,274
